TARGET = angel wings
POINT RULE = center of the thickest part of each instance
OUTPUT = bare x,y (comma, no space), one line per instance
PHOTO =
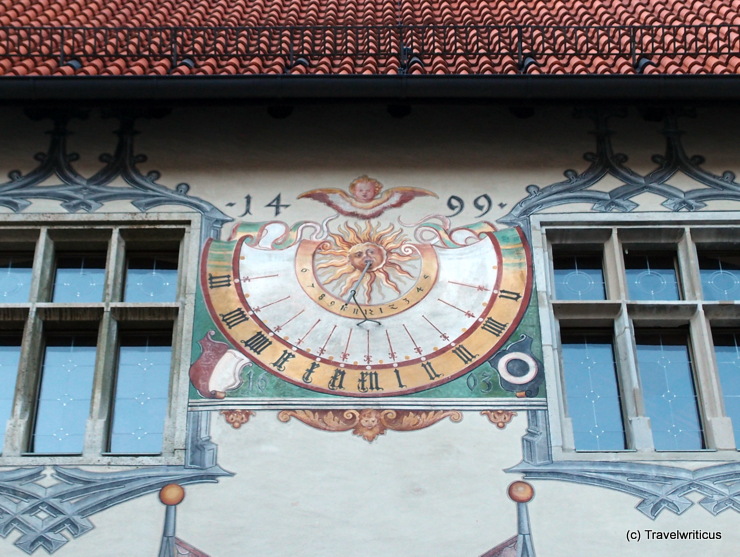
365,200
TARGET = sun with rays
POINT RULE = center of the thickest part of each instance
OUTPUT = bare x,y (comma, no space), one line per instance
367,260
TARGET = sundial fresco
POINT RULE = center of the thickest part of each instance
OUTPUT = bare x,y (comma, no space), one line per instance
362,305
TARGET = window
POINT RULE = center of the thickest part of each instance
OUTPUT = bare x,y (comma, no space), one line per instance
93,359
727,348
140,400
642,321
591,388
64,395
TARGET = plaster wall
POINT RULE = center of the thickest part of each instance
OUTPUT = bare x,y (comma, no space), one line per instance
439,491
225,153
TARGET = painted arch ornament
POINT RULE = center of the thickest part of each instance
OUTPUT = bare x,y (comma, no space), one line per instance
362,307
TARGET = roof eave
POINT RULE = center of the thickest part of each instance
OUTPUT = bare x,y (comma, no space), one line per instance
405,88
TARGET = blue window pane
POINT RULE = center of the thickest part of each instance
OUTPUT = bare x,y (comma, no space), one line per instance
651,277
10,354
140,405
64,399
594,403
15,278
79,279
727,349
720,277
669,394
151,279
579,278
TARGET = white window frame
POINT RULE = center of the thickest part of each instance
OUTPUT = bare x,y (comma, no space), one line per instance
620,314
180,313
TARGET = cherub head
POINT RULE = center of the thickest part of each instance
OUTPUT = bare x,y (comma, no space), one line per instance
369,418
369,425
364,189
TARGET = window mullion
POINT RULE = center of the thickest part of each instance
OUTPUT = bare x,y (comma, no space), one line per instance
175,431
24,402
96,433
188,253
545,284
639,435
171,440
567,438
616,286
717,426
43,268
116,267
637,424
688,267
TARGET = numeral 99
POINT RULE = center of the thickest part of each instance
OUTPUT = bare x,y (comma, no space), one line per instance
456,204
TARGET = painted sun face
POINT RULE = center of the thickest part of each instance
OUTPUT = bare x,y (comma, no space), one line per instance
367,253
345,256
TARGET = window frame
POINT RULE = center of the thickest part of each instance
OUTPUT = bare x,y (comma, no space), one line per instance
37,316
622,316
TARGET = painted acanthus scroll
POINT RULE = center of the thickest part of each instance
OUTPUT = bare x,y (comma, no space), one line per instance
369,422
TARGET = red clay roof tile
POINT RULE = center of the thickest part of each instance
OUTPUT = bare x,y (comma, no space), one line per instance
450,36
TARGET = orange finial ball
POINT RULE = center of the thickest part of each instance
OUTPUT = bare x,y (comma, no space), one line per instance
172,494
521,492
